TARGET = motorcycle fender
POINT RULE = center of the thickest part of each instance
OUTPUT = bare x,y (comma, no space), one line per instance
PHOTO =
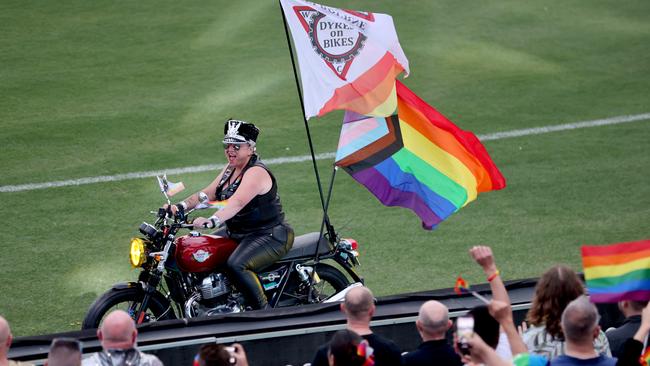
341,295
355,276
140,285
123,285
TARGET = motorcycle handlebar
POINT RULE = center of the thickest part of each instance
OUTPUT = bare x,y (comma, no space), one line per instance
167,213
180,218
162,213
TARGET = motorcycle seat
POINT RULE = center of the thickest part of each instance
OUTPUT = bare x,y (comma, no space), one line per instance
305,246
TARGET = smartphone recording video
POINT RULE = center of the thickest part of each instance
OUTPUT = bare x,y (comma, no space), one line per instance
464,330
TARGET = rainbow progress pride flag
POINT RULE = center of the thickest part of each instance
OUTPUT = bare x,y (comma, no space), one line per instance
416,159
617,272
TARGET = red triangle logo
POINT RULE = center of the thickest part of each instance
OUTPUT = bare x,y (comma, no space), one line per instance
334,41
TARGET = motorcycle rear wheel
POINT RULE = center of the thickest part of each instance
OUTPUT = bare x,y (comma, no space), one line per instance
331,281
129,300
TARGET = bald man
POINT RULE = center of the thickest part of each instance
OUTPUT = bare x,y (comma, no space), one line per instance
432,324
359,307
5,343
118,337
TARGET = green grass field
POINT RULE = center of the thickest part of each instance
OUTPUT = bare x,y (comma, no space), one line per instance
103,87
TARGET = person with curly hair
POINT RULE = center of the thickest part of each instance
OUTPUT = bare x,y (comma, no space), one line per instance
557,287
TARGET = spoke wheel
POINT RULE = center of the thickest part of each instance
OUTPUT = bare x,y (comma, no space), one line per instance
129,300
331,282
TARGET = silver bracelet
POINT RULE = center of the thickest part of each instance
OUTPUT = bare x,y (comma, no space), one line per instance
216,222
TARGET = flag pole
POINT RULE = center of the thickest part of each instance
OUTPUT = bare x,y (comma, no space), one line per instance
326,223
311,145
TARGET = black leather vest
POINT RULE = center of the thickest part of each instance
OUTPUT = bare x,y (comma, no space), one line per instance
261,213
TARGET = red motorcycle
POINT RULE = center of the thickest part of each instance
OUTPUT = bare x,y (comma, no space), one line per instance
185,276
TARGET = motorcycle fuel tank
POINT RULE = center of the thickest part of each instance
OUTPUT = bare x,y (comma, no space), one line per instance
202,253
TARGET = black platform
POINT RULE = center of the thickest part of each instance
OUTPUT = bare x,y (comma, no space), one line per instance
287,336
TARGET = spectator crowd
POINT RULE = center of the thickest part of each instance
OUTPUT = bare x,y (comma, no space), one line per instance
561,329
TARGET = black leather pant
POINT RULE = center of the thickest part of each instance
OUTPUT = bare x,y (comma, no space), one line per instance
255,252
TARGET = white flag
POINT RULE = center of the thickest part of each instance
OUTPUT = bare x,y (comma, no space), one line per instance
168,187
348,59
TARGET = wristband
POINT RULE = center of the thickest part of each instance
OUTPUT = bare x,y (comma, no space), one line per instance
493,276
214,221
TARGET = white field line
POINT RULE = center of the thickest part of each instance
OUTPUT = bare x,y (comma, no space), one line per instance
151,173
298,159
564,127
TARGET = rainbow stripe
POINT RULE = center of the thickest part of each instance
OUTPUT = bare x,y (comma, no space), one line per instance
371,94
419,160
219,205
617,272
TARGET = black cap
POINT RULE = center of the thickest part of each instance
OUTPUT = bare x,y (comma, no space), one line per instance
237,131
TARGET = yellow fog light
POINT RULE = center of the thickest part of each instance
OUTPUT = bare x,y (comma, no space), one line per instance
137,254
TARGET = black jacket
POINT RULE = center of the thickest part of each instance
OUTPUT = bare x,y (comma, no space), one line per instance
437,352
386,352
618,336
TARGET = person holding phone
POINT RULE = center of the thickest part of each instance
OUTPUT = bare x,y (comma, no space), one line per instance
480,353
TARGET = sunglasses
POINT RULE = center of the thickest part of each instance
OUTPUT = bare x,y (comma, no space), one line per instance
237,147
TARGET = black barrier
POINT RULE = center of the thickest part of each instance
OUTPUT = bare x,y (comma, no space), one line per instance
286,336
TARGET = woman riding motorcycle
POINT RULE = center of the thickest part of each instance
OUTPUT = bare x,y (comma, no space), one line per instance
253,213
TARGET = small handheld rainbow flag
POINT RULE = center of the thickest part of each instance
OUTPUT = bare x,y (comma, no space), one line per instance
617,272
645,358
366,352
212,204
462,286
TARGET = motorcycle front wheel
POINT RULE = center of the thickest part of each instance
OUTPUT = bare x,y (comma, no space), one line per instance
129,300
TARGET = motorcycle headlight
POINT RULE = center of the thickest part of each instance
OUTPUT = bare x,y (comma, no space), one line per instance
137,254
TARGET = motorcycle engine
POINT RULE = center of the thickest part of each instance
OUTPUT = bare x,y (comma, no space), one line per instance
214,295
214,285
